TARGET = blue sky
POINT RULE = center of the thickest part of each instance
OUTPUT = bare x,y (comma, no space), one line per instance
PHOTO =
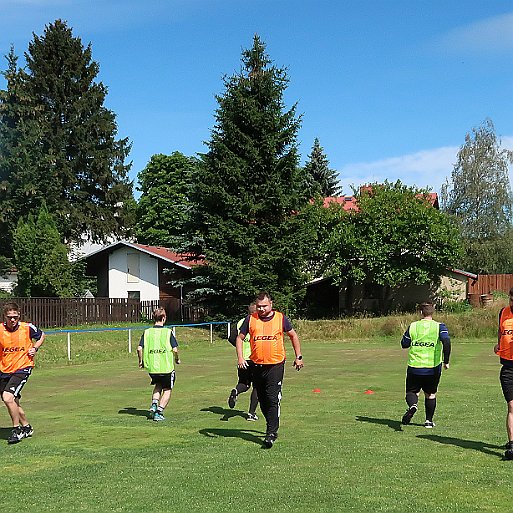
390,87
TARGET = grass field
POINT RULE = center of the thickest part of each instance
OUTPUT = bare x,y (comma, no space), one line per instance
339,449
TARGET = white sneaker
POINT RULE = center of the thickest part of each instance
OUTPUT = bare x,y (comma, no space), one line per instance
429,424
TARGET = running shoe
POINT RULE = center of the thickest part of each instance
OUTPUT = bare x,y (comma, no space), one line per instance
410,412
232,399
251,416
158,417
16,436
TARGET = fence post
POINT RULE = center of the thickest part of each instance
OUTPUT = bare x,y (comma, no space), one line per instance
211,334
129,340
69,346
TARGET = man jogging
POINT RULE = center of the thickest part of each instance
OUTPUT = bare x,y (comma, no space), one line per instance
429,345
267,359
504,348
158,352
244,375
19,342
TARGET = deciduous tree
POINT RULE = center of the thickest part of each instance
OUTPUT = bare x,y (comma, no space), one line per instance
479,197
396,237
164,206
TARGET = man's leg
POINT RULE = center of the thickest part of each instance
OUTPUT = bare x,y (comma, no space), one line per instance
509,421
12,407
23,418
164,398
412,397
253,402
274,380
242,386
430,405
166,386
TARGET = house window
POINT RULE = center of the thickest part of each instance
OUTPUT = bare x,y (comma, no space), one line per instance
132,264
134,294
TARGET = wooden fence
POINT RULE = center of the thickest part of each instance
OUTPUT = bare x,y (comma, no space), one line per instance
58,312
488,283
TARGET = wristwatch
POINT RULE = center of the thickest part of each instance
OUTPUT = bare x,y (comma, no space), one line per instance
299,357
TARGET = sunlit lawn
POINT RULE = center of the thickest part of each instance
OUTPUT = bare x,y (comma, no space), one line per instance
340,449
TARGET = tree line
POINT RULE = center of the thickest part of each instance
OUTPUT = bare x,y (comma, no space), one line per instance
246,206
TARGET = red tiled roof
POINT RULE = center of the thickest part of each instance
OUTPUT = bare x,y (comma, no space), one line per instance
167,254
349,202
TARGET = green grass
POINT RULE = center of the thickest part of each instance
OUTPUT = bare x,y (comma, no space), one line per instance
339,450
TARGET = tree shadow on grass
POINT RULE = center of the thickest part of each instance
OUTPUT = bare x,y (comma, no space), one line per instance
245,434
134,411
492,450
393,424
226,414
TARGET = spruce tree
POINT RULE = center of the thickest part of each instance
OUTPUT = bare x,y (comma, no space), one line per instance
250,193
58,141
323,179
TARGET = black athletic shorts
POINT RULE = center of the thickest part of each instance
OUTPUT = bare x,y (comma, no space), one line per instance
13,383
166,381
506,377
426,382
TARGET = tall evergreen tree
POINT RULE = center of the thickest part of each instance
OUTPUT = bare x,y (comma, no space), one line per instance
323,179
250,193
58,141
164,206
479,197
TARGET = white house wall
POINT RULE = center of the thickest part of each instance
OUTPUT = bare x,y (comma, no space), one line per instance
121,281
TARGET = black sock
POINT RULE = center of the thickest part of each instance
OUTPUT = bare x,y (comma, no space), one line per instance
411,399
430,408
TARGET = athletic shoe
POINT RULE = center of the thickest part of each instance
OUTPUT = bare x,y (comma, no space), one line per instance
252,416
232,399
27,431
16,436
153,410
270,439
429,424
158,417
410,412
509,451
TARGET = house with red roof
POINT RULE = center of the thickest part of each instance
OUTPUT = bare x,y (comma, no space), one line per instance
137,271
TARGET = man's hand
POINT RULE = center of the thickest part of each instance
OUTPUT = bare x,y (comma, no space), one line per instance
32,351
298,364
242,364
446,366
141,365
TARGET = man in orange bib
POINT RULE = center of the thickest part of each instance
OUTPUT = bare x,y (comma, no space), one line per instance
267,359
19,342
504,348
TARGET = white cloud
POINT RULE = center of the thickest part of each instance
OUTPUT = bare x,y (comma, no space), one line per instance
424,169
491,34
427,168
